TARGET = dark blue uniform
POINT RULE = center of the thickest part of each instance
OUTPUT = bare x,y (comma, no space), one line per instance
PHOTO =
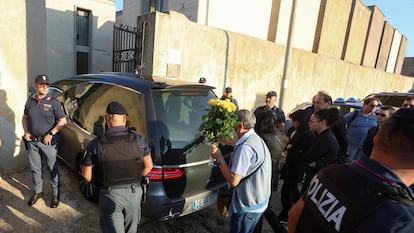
42,115
277,112
120,206
365,197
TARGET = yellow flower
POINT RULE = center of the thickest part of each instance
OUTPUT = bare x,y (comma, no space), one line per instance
220,121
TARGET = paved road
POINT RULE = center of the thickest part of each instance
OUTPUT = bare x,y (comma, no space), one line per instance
75,214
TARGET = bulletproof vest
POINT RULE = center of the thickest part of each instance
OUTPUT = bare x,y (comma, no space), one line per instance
119,160
340,196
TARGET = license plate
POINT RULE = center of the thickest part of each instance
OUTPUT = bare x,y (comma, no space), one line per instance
203,203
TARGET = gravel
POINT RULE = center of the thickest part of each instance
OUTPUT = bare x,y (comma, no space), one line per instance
76,214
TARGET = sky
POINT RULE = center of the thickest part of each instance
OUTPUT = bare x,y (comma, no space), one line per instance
399,13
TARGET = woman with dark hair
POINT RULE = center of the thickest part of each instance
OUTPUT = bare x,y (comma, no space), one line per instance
266,129
325,149
294,167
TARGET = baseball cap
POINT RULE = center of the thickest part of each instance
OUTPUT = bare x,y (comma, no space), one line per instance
271,93
228,89
116,108
404,119
42,78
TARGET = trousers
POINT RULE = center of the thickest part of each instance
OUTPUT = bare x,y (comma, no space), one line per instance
36,152
120,209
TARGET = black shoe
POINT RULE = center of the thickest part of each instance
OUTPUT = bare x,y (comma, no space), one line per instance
34,198
55,201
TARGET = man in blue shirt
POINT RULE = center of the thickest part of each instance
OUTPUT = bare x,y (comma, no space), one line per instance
250,170
358,124
370,195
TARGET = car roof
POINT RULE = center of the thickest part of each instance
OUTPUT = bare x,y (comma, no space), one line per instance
129,80
394,99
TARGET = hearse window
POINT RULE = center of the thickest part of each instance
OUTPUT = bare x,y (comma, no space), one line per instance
88,107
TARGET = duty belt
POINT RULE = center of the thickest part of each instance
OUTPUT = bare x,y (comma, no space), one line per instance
133,187
36,138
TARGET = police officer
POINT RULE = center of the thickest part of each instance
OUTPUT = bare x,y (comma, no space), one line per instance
228,94
370,195
117,161
42,119
270,105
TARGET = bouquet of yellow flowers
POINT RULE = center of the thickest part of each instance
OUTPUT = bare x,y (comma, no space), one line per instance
220,121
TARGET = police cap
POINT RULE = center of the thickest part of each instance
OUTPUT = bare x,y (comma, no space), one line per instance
116,108
42,78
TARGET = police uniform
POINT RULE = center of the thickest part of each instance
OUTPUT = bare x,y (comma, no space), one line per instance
119,197
42,115
374,200
277,113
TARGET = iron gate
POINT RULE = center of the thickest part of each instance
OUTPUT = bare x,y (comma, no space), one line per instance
127,49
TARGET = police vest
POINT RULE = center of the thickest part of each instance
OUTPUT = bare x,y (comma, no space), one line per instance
340,196
119,160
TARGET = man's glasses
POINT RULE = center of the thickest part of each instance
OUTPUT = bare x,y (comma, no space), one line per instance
380,114
311,121
408,105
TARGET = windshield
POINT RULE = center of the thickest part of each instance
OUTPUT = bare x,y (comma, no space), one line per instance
179,113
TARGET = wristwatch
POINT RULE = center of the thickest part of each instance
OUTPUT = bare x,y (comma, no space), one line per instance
221,162
50,133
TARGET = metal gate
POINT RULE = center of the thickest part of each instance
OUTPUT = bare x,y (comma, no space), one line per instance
126,49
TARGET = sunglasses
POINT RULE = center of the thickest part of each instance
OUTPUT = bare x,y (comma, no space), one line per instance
380,114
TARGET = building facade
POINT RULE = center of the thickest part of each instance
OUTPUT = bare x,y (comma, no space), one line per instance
60,38
67,37
346,30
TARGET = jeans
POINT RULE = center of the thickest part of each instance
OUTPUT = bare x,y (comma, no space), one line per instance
244,222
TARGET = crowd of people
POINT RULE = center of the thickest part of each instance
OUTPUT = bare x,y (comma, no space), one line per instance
355,171
341,173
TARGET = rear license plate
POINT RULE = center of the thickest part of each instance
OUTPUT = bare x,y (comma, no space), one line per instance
203,203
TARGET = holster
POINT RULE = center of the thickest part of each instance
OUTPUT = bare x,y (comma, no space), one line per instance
25,143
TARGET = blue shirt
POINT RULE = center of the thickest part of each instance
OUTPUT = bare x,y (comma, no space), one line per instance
91,157
357,129
43,114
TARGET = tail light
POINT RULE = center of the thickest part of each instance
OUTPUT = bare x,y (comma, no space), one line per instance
159,174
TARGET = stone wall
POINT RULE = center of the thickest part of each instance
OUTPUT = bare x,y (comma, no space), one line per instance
180,49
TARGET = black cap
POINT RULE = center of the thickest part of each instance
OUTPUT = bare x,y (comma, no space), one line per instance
271,93
116,108
404,119
42,78
228,90
202,80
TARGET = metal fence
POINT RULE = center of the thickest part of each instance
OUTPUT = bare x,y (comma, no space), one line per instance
126,52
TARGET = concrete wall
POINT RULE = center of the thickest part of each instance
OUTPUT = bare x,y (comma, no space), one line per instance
13,84
52,40
332,26
401,54
306,17
408,67
239,16
253,66
373,39
385,46
395,46
357,33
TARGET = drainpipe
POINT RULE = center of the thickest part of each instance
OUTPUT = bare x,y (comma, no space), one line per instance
288,52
